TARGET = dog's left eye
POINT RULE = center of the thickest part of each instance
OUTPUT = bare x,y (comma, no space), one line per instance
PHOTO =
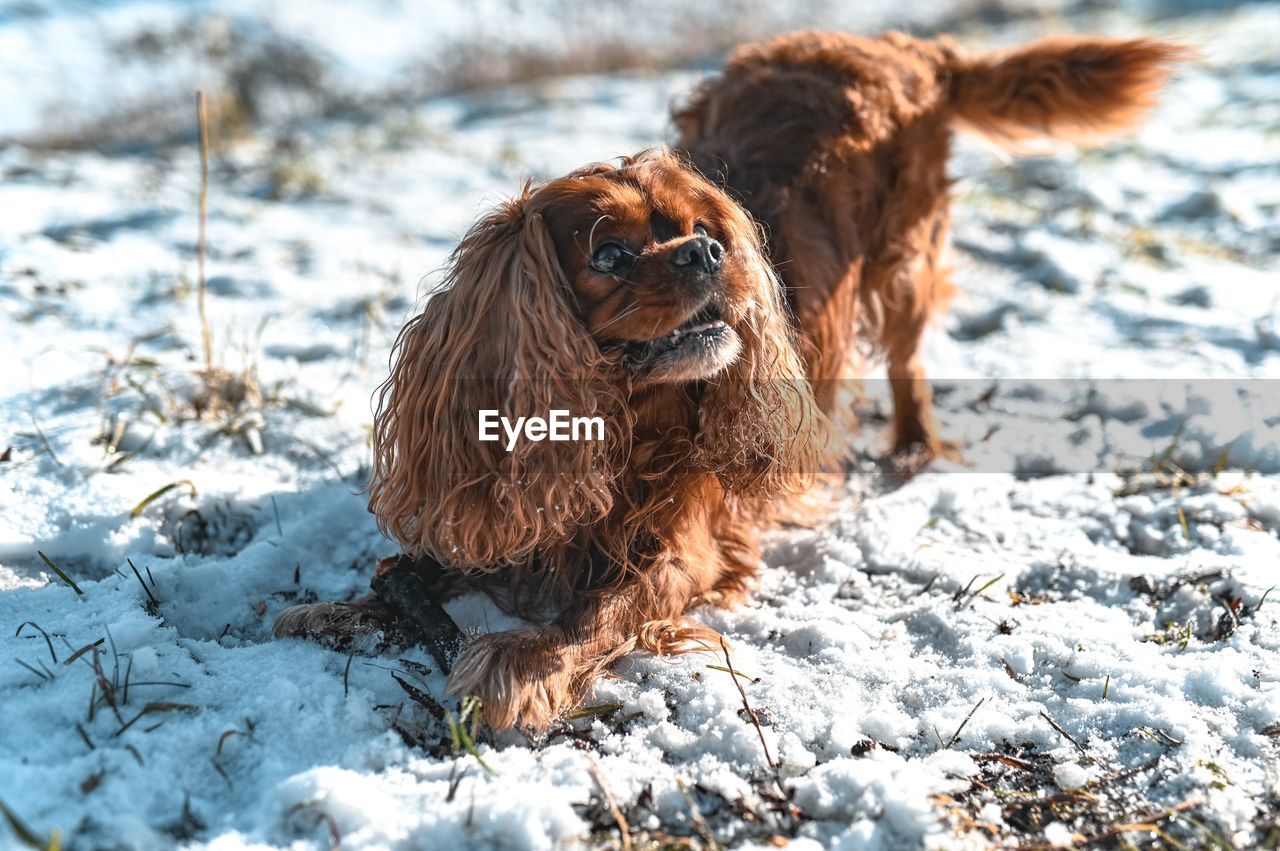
609,258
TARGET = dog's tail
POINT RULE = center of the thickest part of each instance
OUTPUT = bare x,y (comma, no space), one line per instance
1079,89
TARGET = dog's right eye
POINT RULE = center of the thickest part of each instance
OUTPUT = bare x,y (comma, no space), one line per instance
609,258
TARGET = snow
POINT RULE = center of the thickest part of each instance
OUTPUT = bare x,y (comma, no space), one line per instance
923,629
142,58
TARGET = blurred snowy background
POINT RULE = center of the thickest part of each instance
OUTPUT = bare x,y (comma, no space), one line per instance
123,70
1035,655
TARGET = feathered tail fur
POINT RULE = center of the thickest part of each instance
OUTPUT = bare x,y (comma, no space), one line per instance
1074,88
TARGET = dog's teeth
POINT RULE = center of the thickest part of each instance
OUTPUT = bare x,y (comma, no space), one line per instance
705,326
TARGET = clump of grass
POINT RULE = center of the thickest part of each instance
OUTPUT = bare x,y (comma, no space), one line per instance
464,739
231,399
292,175
1104,812
966,597
153,604
1228,596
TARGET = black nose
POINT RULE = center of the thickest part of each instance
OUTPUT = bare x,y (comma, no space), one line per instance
699,254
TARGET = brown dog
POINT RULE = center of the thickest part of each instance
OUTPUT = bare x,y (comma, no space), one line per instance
839,145
635,293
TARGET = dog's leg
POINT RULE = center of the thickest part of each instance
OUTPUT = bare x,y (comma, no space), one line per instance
913,428
342,625
915,435
527,677
823,292
921,294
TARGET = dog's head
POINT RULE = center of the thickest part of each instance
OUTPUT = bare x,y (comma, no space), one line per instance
663,268
575,296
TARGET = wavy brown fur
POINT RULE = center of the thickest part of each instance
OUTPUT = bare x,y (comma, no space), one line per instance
839,145
622,537
502,335
1075,88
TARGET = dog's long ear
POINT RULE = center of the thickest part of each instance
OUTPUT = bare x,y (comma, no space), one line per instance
504,336
761,430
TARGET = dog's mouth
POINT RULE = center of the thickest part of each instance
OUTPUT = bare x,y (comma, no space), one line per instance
699,348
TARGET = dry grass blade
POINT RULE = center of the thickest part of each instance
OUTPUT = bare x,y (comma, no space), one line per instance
44,441
420,697
222,740
105,686
746,704
1221,463
956,735
202,118
83,650
145,587
746,677
154,708
699,821
26,835
85,737
1062,732
335,836
988,584
1265,594
598,711
624,829
964,595
789,809
36,627
1004,759
152,497
61,575
1160,737
46,674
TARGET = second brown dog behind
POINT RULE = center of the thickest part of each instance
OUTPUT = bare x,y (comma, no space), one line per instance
838,145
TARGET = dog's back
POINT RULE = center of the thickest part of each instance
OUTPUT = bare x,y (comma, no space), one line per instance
838,145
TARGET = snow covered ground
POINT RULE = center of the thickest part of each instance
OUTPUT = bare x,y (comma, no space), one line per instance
119,64
1062,642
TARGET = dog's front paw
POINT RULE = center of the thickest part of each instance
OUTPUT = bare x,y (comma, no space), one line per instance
336,625
524,677
910,457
